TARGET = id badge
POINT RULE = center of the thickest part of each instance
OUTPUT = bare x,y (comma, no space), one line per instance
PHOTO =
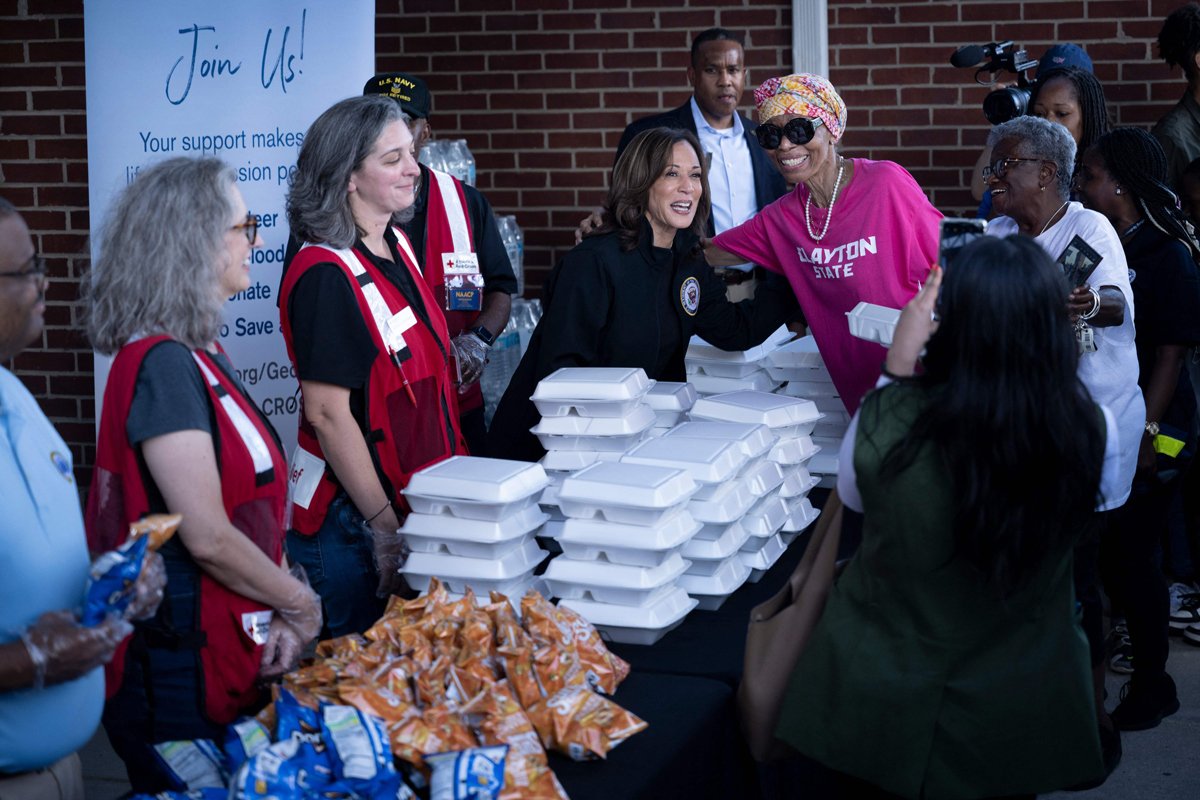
463,282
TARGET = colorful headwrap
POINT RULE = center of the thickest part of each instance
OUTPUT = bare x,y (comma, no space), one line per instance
806,95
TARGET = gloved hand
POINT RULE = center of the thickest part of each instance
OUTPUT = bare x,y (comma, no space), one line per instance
283,649
472,354
62,650
302,610
391,552
148,590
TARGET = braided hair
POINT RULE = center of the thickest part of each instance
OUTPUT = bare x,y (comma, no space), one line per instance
1136,161
1092,108
1179,38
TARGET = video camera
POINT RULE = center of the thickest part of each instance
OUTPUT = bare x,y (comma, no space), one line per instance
1002,104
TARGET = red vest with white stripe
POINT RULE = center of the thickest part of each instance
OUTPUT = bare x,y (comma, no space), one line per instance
448,230
411,402
254,493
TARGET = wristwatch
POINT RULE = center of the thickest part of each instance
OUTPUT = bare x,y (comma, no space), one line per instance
486,336
1152,429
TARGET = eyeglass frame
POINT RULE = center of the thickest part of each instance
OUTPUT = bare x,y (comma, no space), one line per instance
1000,172
249,227
37,271
771,136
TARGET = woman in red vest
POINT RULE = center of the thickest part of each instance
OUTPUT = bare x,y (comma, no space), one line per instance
179,434
371,350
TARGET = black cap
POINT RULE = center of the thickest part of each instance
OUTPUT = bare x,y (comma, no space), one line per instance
408,90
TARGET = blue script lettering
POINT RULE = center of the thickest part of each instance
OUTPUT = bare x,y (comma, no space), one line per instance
209,67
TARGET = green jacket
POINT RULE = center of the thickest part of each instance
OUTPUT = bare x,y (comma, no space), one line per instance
917,678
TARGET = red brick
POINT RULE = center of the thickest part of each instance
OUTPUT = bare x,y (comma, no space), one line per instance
690,19
662,40
62,196
576,21
542,41
942,12
571,61
30,125
523,61
602,80
46,100
23,30
536,81
39,8
60,148
547,160
856,56
841,37
487,6
626,20
598,119
519,101
56,51
630,59
14,101
751,18
32,172
600,41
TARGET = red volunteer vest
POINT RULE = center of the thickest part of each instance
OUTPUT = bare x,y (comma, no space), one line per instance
412,408
447,202
254,493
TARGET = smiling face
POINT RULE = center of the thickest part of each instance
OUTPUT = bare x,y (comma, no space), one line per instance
235,271
1058,102
675,196
1016,190
718,77
800,163
386,180
22,298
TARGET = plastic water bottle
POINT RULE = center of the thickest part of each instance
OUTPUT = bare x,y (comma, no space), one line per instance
465,162
514,244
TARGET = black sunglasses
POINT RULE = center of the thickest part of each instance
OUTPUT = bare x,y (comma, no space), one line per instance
801,130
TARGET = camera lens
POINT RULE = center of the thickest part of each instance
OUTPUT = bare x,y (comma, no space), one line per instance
1005,104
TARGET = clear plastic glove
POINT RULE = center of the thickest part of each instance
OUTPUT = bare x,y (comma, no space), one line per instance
282,652
62,650
588,224
472,354
391,553
302,611
148,591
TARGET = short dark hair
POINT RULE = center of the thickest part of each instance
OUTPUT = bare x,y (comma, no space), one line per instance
1179,38
640,165
714,35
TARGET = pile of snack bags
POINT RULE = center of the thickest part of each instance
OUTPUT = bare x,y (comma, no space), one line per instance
441,698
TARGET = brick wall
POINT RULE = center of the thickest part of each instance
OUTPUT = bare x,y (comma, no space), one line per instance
541,90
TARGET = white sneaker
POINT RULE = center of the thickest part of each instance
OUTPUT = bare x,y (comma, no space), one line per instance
1185,606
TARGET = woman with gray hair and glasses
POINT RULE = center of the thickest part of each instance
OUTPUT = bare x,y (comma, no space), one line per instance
372,353
179,434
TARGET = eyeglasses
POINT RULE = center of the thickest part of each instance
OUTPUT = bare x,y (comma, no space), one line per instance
798,131
35,270
249,227
999,168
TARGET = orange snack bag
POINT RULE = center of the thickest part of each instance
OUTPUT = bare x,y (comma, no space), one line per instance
583,724
159,527
392,707
556,668
430,682
527,773
342,648
450,727
605,670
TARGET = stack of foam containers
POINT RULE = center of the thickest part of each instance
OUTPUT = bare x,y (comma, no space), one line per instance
800,364
622,540
473,523
713,370
782,508
713,574
671,403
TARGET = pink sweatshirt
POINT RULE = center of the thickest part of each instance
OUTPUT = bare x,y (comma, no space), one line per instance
881,242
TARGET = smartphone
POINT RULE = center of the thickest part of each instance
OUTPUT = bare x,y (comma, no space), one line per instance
955,233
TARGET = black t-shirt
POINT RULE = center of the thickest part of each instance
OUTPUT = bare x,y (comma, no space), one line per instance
1166,301
170,394
669,336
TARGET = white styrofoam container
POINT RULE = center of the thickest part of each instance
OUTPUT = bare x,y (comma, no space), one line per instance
766,518
586,409
627,485
708,461
723,580
637,420
592,383
670,396
643,625
753,438
612,583
720,543
793,450
559,461
487,480
481,574
726,506
804,374
764,558
826,461
797,483
469,509
758,381
435,526
873,322
800,353
701,349
801,514
669,533
830,430
828,404
611,554
773,410
722,369
611,444
763,477
809,390
496,549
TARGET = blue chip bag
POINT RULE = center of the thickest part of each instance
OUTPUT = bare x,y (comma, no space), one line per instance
111,579
474,774
192,765
244,739
358,744
197,794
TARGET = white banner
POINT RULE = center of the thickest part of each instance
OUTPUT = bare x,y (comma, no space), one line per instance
235,79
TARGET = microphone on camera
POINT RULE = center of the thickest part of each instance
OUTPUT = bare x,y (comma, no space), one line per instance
968,56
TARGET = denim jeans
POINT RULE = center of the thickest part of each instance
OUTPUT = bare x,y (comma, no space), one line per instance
340,563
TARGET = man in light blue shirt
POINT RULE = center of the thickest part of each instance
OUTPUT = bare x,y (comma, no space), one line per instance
51,683
742,178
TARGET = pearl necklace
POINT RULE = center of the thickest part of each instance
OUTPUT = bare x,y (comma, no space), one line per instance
829,211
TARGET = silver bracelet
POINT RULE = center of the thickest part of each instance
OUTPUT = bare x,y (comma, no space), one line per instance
1095,309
